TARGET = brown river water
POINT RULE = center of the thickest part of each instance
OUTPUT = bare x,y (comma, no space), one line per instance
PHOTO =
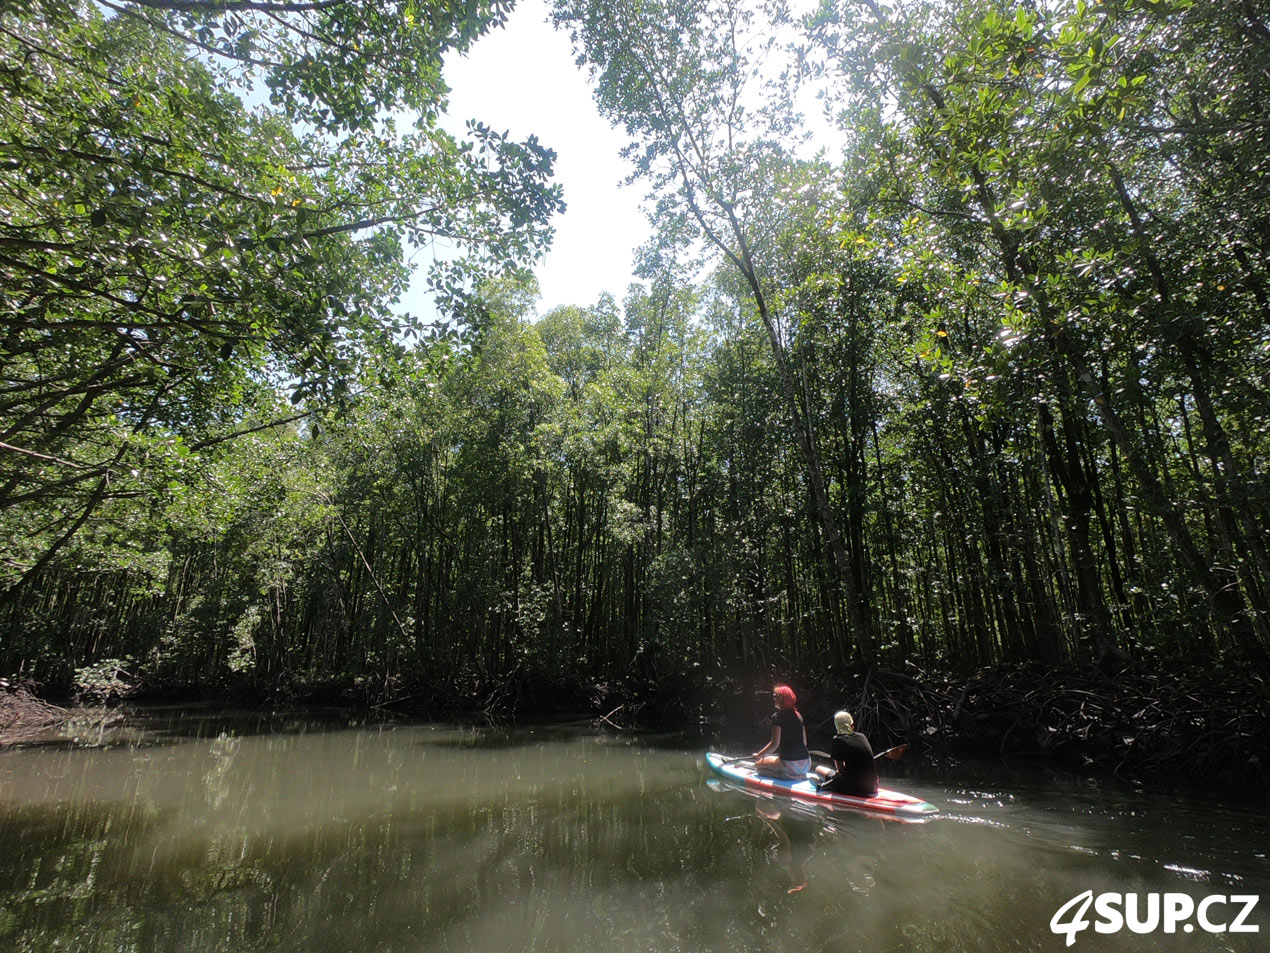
188,831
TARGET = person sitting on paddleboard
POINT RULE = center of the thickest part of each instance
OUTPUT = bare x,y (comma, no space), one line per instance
789,740
852,756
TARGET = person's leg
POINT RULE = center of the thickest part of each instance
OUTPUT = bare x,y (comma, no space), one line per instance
796,770
799,770
769,767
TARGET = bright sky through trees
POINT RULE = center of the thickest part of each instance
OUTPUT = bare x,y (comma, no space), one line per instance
522,79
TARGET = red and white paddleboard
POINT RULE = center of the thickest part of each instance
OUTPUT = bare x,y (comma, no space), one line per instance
887,803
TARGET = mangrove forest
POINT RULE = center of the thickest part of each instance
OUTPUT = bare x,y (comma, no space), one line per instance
962,400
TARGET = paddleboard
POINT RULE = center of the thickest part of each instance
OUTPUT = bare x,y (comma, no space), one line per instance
887,803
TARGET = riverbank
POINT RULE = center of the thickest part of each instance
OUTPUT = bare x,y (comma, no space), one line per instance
22,714
1153,728
28,719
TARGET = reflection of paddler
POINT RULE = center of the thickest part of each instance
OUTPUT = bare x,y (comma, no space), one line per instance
794,844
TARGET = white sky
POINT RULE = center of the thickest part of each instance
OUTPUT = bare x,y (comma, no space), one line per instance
522,79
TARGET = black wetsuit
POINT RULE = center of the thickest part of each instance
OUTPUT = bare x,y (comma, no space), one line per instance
857,774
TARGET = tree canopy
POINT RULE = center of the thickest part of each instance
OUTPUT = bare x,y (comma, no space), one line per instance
987,383
170,256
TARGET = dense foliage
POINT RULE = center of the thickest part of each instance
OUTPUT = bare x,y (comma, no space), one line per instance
170,258
989,386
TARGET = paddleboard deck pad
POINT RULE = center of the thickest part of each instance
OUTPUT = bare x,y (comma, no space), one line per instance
886,803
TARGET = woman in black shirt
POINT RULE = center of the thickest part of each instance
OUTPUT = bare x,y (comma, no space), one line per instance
789,740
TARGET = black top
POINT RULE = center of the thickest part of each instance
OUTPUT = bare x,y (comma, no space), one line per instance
857,775
793,746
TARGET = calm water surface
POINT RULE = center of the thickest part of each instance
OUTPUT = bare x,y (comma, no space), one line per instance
214,834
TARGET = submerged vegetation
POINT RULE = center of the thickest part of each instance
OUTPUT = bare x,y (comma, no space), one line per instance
985,388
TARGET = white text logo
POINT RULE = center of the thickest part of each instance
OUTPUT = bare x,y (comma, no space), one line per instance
1146,913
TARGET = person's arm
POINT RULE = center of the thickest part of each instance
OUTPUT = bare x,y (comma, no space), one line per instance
772,745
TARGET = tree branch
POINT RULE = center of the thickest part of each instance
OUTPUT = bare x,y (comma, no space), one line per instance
232,6
204,444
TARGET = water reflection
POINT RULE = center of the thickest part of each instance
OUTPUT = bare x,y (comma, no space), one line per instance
793,849
421,838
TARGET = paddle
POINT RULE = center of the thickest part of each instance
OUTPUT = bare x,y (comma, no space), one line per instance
894,754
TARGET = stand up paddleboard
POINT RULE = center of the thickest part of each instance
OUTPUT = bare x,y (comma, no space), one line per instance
886,803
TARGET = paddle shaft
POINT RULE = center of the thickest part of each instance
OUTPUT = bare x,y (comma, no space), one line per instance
892,753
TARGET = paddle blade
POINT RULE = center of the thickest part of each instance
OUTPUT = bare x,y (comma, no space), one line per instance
895,753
